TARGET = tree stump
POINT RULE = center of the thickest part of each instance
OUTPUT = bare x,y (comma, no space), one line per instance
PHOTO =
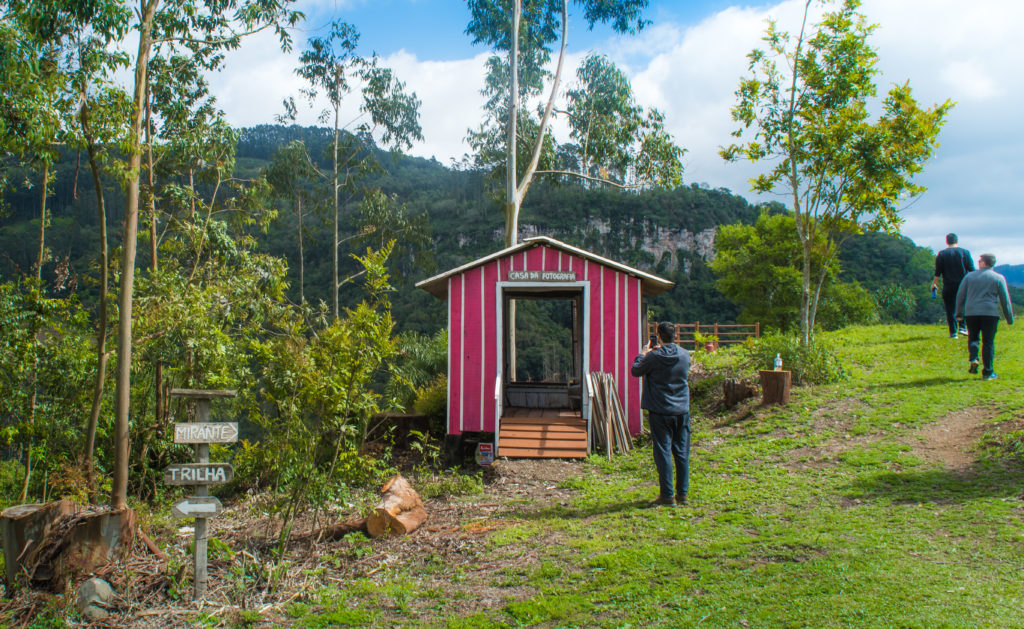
735,391
49,542
775,386
400,510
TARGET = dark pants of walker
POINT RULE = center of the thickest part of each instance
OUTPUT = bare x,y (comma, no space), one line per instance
985,327
671,437
949,301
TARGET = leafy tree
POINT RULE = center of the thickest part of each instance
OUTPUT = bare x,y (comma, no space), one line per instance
601,106
808,108
315,395
895,303
289,175
382,220
332,66
758,267
45,368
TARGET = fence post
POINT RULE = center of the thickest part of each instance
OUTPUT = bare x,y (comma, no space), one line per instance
757,329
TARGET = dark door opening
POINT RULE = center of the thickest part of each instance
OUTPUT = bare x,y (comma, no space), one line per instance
543,356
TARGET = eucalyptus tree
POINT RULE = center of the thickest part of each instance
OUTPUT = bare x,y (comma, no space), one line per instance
207,29
807,107
101,129
32,102
599,108
290,175
332,67
51,57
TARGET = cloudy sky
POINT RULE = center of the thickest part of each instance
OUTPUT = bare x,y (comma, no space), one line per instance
688,63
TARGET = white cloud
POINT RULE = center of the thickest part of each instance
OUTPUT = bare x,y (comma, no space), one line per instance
946,51
970,54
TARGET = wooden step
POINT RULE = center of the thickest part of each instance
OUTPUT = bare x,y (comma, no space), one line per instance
551,436
543,421
542,453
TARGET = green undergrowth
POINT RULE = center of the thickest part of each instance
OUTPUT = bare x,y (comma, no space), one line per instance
833,511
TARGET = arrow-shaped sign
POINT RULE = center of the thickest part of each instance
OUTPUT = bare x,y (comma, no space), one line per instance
206,432
197,507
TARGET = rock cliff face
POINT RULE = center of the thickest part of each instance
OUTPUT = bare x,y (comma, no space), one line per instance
654,240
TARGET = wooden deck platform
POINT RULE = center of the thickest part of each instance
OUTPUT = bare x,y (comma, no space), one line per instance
542,433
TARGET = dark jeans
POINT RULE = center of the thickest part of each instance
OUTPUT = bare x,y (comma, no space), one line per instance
670,435
949,301
985,327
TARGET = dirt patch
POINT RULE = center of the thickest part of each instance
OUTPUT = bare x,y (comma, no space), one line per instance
450,555
952,440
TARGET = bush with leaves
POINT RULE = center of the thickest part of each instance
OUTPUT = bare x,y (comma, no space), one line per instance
46,370
432,401
895,303
420,360
315,397
816,363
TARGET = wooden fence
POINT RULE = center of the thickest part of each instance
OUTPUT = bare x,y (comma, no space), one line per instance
725,333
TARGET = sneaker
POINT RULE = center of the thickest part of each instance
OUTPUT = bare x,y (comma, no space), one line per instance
953,335
963,331
662,502
973,368
990,376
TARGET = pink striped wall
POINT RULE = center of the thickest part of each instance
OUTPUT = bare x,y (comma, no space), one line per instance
614,335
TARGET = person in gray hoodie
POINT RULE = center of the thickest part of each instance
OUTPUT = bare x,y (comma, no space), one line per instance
666,396
982,294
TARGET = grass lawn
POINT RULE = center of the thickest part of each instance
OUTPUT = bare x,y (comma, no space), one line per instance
892,499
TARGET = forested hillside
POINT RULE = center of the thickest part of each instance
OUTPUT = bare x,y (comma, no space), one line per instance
670,233
1014,273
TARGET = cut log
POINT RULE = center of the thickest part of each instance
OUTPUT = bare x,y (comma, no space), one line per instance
735,391
333,532
775,386
399,512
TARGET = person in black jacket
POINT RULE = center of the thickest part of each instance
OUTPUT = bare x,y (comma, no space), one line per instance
952,264
666,396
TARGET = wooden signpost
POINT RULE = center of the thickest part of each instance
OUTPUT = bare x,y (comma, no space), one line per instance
202,473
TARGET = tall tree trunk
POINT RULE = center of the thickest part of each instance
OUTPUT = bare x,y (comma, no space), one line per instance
154,261
804,228
101,330
34,375
805,289
302,260
512,199
334,248
42,222
119,491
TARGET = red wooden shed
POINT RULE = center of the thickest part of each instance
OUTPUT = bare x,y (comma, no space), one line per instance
539,419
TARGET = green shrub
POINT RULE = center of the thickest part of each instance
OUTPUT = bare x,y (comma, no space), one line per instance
432,401
895,303
12,474
816,363
845,304
450,483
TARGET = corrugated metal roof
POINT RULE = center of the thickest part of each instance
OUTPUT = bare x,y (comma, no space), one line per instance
650,284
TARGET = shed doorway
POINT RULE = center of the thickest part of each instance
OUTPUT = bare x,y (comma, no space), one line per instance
541,406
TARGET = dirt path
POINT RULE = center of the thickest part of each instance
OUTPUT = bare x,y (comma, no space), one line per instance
952,440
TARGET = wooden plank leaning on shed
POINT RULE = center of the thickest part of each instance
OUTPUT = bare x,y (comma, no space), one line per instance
609,419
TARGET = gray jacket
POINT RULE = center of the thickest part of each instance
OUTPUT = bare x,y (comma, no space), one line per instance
983,293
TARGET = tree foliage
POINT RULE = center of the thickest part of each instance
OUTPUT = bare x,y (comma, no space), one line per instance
758,267
332,67
807,107
601,107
